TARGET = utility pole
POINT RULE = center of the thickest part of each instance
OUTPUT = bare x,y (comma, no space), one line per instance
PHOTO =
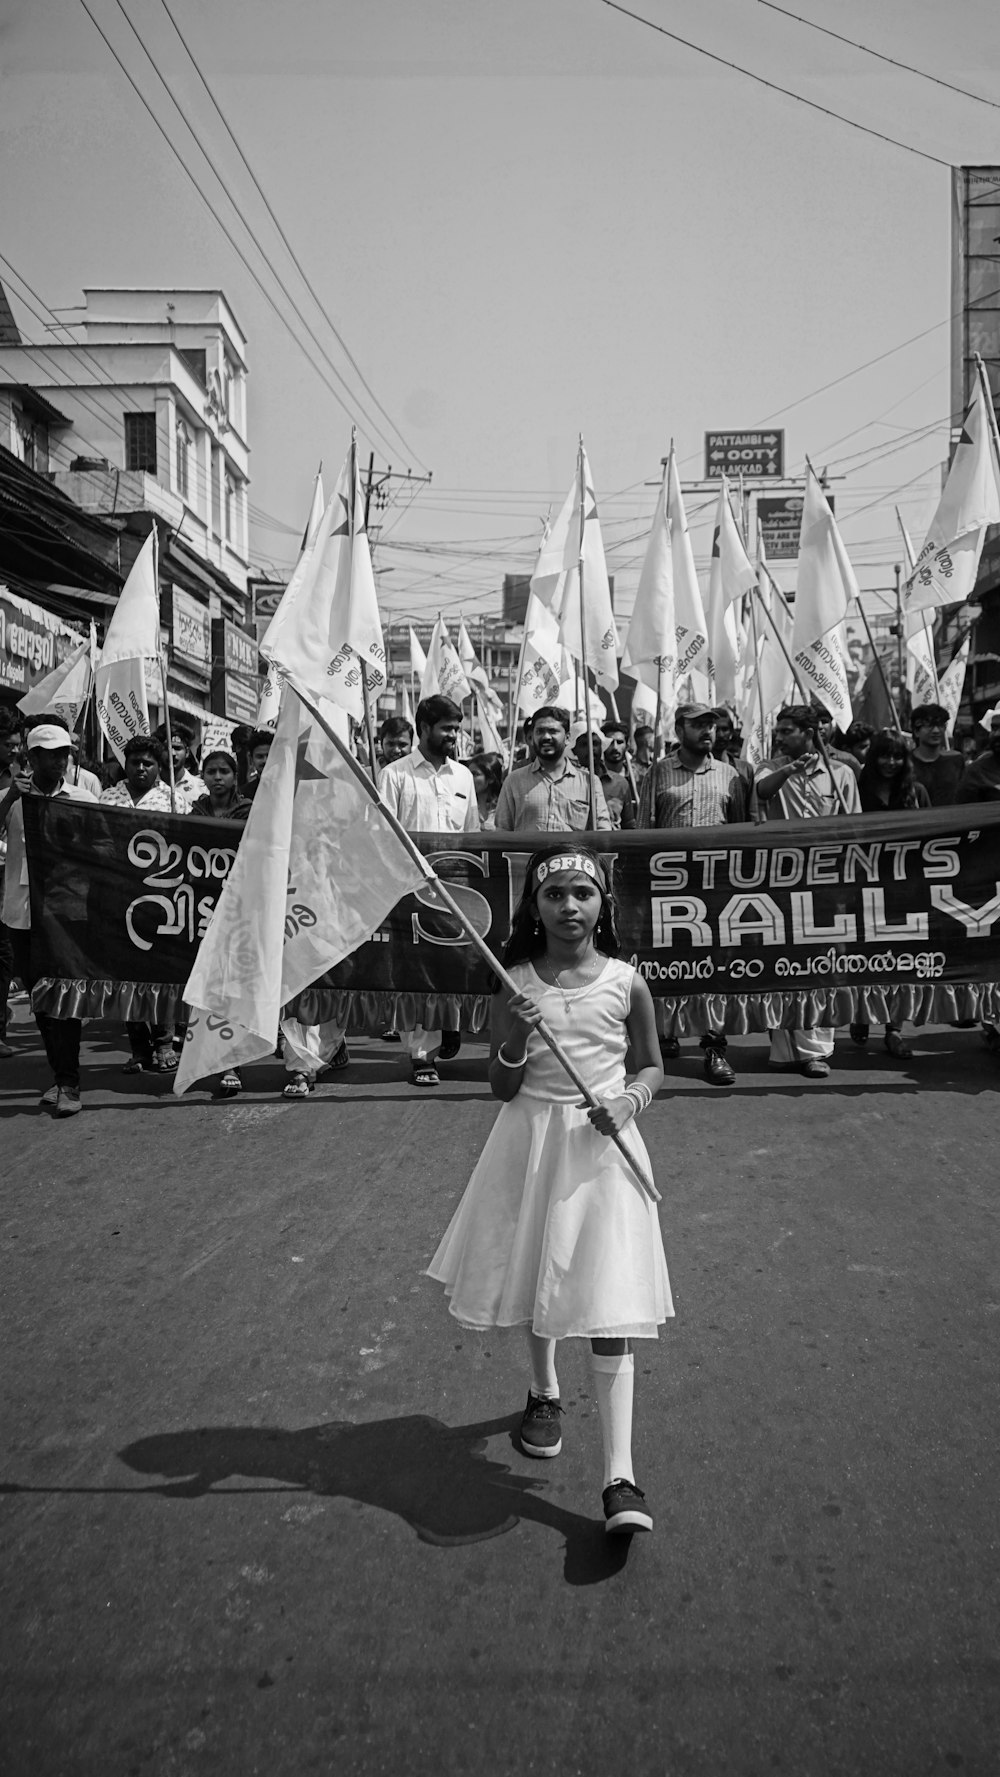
374,484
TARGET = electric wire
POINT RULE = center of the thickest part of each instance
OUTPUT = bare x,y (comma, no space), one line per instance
773,85
865,49
338,336
371,429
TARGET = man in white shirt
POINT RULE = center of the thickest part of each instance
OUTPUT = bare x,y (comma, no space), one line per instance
430,791
49,754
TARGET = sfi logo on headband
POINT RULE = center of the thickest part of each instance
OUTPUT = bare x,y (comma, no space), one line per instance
571,861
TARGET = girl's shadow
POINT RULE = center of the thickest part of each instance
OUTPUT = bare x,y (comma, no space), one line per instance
437,1478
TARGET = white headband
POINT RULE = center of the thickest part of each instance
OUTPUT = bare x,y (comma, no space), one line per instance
571,861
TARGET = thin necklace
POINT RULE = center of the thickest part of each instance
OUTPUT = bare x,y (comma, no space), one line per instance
563,989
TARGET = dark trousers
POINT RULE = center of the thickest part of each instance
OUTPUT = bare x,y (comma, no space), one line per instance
7,971
144,1038
61,1036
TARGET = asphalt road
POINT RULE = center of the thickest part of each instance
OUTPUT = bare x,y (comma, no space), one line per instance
262,1510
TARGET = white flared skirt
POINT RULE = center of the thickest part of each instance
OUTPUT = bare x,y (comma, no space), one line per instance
554,1232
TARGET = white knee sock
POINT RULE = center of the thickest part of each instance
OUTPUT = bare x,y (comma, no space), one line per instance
613,1385
542,1355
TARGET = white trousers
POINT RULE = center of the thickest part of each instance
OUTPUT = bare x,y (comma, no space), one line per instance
790,1048
308,1047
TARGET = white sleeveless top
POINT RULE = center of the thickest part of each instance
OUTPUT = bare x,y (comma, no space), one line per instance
588,1023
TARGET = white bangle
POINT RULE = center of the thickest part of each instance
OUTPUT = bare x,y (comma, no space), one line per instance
505,1060
640,1094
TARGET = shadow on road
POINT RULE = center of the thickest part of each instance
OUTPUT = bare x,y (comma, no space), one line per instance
437,1478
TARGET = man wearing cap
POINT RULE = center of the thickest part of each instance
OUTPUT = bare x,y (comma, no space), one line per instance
50,749
552,794
797,785
691,788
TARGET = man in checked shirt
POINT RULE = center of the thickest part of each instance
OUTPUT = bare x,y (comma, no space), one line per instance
552,794
691,788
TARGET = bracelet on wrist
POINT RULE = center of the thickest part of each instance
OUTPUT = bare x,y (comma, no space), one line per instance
508,1061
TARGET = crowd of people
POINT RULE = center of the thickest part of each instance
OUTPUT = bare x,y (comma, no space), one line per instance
565,776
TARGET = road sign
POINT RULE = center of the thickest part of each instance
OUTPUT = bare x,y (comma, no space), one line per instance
759,456
781,521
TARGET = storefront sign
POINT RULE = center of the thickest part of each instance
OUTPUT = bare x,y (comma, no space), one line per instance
192,634
235,678
32,643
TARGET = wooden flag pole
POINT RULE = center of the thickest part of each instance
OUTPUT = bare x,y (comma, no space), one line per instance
629,772
583,650
806,699
483,949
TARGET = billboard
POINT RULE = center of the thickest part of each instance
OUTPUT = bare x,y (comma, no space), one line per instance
781,522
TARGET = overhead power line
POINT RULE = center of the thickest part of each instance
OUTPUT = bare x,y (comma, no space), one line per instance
773,85
371,429
338,336
906,67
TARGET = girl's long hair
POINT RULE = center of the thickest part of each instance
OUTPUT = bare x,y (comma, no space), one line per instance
527,936
901,790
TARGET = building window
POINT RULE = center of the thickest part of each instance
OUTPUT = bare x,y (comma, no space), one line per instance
140,442
184,442
232,510
195,361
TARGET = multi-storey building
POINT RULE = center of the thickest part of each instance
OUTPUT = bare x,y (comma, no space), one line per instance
145,424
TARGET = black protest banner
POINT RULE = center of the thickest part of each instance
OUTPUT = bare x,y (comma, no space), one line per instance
795,913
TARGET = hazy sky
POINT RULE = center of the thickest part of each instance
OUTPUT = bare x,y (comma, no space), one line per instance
526,221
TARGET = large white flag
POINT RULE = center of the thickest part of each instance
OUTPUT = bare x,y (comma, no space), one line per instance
418,659
825,587
918,632
689,610
946,568
317,870
132,637
474,670
952,682
444,675
727,581
270,698
67,687
326,631
650,653
776,624
587,633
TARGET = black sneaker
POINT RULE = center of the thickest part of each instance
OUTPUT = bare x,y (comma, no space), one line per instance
625,1508
540,1434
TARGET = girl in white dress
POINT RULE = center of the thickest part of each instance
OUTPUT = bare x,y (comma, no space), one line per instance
554,1233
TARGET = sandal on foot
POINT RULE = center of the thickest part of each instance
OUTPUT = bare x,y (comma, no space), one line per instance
896,1047
230,1084
425,1076
299,1086
341,1058
164,1060
135,1065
